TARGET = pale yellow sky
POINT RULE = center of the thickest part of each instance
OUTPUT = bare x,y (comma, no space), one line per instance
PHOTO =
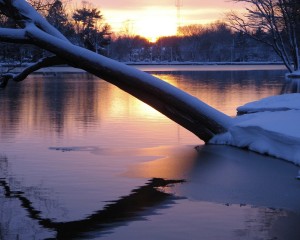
153,18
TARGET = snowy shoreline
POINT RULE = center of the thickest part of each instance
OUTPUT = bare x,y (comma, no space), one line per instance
203,63
269,126
148,67
25,64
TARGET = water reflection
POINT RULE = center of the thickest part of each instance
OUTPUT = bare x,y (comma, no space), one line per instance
170,163
292,85
226,175
225,90
223,185
71,142
142,201
67,101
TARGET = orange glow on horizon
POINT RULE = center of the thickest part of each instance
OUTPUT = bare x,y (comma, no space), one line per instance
150,23
156,23
156,19
153,23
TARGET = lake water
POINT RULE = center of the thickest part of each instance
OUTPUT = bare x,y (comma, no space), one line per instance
81,159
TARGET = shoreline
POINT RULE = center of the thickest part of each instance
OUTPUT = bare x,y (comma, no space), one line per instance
4,64
165,67
203,63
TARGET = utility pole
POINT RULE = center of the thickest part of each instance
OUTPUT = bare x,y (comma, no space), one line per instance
178,5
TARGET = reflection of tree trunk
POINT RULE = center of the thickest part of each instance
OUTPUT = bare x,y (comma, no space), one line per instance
292,85
128,208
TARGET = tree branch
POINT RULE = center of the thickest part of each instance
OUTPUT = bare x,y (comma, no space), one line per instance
25,14
13,35
191,113
265,14
45,62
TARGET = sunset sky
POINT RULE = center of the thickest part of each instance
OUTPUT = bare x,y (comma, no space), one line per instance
154,18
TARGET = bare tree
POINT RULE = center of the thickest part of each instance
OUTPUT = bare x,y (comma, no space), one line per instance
279,22
42,6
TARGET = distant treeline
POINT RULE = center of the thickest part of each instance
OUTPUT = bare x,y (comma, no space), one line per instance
196,43
85,26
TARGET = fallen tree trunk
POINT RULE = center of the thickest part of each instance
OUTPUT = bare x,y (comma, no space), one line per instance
188,111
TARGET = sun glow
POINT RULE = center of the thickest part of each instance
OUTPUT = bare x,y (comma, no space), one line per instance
150,23
154,19
156,23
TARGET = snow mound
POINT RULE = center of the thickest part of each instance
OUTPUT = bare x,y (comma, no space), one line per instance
274,103
295,74
273,129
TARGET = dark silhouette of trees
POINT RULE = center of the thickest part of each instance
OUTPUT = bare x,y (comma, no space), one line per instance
206,43
88,29
58,17
93,33
42,6
195,43
130,48
168,49
274,23
214,42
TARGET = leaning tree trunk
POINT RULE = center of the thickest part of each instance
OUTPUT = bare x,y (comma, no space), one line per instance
188,111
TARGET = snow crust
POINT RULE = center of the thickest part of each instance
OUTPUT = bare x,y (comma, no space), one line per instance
294,74
274,103
297,72
270,127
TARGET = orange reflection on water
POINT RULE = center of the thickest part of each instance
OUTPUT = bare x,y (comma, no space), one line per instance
73,104
174,163
224,91
122,104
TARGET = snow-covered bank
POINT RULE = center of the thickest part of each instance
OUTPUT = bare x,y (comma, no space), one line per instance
202,63
271,126
163,67
275,103
295,74
50,70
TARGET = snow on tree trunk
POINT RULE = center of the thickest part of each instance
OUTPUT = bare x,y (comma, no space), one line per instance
188,111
